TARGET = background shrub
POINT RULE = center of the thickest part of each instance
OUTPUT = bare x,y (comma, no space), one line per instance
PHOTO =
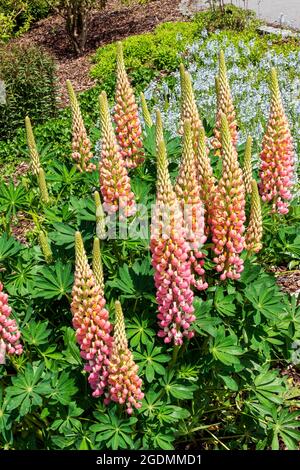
146,55
29,77
16,16
228,17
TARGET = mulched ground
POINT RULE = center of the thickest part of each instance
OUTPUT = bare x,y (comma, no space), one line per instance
113,23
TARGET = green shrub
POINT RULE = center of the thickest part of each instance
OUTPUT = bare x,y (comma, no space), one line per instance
16,16
146,55
228,17
29,77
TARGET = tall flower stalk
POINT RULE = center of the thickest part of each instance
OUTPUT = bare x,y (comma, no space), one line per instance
224,106
128,126
254,230
277,155
9,331
90,320
189,110
228,213
146,114
170,256
188,194
33,152
81,145
124,384
247,169
114,180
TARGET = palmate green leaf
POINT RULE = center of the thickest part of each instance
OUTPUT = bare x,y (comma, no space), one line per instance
21,280
135,282
177,388
172,414
225,348
268,388
114,431
54,281
64,235
63,388
72,352
224,304
68,420
163,441
12,198
36,333
151,403
9,247
28,389
151,361
204,323
265,299
138,331
286,426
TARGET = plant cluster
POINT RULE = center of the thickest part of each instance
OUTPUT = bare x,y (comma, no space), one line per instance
209,373
28,75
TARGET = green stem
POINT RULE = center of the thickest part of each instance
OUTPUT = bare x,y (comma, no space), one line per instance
174,357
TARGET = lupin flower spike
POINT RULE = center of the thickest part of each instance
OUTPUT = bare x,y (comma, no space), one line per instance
124,384
128,126
9,332
114,180
81,145
189,110
224,106
100,217
97,265
45,247
228,211
255,230
170,256
247,169
34,155
277,155
206,180
146,114
90,320
43,186
188,193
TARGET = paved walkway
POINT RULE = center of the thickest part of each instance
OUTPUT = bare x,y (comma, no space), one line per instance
285,11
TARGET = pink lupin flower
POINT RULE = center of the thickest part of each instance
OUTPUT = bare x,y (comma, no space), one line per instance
170,256
188,194
90,320
124,384
114,180
9,332
228,214
128,126
277,155
224,106
81,145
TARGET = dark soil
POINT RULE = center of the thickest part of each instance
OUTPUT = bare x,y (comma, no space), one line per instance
113,23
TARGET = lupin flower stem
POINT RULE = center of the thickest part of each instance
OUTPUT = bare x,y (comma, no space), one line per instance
255,229
205,177
81,145
170,256
188,194
45,247
90,320
97,265
228,214
43,186
277,155
124,384
33,152
224,106
9,332
247,169
189,110
128,126
100,217
114,180
145,111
